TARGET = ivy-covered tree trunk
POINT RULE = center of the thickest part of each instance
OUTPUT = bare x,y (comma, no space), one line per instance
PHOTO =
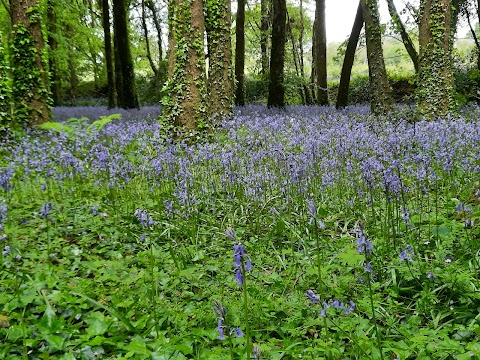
380,93
108,54
321,53
6,108
30,88
123,56
344,86
240,53
276,90
55,81
220,79
185,104
435,90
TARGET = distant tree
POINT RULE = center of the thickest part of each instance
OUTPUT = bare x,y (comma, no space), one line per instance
185,104
112,101
240,53
399,27
321,53
276,91
220,79
55,81
143,18
343,87
435,91
380,93
30,93
264,27
126,90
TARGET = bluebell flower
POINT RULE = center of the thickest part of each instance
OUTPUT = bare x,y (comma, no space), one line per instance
363,245
368,267
220,328
238,333
407,254
239,277
220,310
351,308
230,233
430,276
45,210
312,297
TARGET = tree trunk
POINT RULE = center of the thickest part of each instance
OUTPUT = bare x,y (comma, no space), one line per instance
55,81
400,28
380,92
344,86
435,95
147,40
264,25
156,20
276,91
312,71
240,53
321,53
295,58
123,56
30,90
186,105
108,54
306,90
220,81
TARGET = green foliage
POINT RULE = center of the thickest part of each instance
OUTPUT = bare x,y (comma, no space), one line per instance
74,125
5,91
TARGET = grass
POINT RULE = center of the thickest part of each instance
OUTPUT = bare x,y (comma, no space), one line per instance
362,235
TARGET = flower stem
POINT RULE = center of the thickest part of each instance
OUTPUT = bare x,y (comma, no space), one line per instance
245,309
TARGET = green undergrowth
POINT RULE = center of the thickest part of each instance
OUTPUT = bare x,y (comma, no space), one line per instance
88,279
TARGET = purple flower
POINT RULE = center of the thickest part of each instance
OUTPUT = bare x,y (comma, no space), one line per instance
45,210
238,254
230,233
351,308
368,267
363,245
238,333
220,328
220,310
239,277
430,276
407,254
312,297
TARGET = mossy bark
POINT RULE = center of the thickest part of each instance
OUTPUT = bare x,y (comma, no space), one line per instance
108,54
185,105
380,93
220,76
32,102
436,88
6,108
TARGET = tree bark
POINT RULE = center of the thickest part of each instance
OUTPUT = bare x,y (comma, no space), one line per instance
276,92
108,54
295,56
344,86
435,93
186,104
321,53
240,53
400,28
123,56
30,89
220,80
380,93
